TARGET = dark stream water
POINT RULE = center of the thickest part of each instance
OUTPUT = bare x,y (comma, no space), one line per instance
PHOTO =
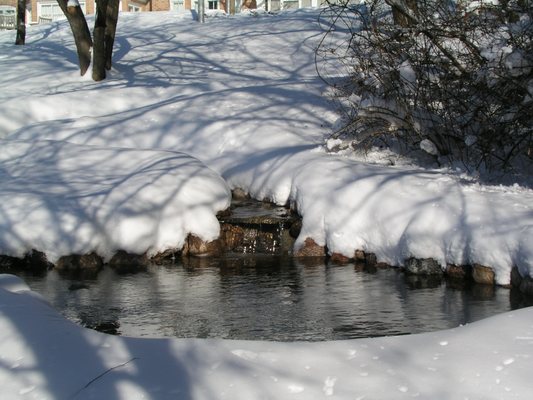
268,298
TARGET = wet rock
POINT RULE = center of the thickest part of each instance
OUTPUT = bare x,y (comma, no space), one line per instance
166,257
361,259
37,261
369,259
459,272
8,263
482,274
105,325
34,261
109,327
310,249
124,263
295,229
516,277
338,258
194,246
77,286
233,237
255,227
360,255
74,262
422,266
526,286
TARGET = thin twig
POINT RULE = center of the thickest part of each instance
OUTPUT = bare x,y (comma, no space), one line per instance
101,375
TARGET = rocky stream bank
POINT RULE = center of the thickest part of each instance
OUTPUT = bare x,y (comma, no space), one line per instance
262,228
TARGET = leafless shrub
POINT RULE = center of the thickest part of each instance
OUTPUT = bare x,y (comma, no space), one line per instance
454,79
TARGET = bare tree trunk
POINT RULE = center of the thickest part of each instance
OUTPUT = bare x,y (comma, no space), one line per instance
21,22
110,30
403,12
80,30
99,50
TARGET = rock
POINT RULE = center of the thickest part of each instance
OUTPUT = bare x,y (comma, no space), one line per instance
483,275
123,262
233,237
166,257
8,263
369,259
109,327
338,258
77,262
34,261
239,194
422,266
194,246
310,249
37,261
362,261
77,286
360,256
459,272
295,229
516,277
257,227
526,286
224,213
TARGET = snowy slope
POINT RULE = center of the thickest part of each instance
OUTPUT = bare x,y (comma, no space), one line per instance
242,96
44,356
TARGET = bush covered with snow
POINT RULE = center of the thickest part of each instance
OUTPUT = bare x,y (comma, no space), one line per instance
453,80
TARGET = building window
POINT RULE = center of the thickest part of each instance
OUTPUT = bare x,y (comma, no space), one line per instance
8,19
7,10
178,5
133,8
212,4
289,4
51,10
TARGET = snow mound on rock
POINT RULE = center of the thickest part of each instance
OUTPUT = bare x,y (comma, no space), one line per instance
61,198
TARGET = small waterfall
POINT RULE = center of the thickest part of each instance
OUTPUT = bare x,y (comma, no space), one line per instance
255,227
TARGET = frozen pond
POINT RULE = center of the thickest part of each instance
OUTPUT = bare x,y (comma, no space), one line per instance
266,298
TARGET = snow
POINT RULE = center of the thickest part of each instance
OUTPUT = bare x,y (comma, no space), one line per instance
66,198
142,159
44,356
240,95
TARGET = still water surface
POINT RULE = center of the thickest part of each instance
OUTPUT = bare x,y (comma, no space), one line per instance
267,298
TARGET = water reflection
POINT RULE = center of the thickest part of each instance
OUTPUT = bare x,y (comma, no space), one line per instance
269,298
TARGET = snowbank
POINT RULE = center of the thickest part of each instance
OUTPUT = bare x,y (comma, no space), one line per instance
61,198
241,95
44,356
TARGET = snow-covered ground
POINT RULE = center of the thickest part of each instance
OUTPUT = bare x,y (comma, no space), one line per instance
242,96
44,356
145,157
